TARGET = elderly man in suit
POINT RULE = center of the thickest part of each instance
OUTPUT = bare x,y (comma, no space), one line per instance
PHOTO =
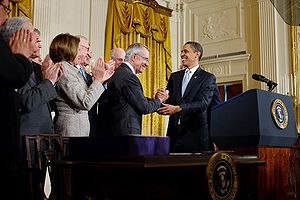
191,91
36,95
126,102
85,62
85,59
15,72
118,55
36,110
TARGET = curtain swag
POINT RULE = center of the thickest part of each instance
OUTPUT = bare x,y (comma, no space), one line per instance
142,19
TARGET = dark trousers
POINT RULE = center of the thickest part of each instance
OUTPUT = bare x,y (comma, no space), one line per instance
188,142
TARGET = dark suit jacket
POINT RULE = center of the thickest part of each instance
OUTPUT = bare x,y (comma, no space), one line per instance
123,104
192,133
93,111
35,109
15,72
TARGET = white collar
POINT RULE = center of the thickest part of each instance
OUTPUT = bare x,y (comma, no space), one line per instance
77,66
193,69
130,66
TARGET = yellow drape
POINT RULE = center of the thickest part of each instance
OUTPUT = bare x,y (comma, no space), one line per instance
21,8
129,22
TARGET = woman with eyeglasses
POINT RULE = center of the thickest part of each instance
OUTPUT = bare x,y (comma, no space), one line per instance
15,70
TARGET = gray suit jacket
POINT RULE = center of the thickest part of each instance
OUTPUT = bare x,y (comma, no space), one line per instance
74,101
35,109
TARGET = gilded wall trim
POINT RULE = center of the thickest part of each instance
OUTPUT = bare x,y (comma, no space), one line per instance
21,8
295,73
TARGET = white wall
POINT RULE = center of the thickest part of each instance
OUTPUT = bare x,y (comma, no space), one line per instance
84,17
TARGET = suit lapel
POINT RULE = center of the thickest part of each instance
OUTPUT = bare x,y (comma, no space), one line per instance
195,79
38,72
180,78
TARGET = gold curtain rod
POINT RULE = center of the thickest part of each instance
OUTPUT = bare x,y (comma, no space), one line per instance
16,1
152,3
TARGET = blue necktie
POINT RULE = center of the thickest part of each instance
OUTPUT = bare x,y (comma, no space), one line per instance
82,72
185,80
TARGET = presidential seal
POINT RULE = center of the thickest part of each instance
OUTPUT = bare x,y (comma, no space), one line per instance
222,177
280,114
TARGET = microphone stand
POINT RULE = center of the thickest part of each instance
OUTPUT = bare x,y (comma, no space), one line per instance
271,85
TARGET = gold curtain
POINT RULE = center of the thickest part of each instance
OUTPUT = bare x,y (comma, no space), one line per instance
21,8
135,21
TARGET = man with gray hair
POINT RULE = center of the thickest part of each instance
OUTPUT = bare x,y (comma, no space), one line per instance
36,96
14,24
37,93
126,103
85,59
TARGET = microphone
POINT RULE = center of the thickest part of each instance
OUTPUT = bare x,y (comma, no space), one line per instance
260,78
270,84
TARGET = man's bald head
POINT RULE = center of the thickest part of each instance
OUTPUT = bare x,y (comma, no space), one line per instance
118,55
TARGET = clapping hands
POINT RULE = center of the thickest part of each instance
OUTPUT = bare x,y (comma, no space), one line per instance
51,71
21,42
103,71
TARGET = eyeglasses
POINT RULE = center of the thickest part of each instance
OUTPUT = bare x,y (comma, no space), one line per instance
145,58
87,48
6,8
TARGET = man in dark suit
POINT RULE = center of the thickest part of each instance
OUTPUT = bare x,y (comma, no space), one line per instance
118,56
36,96
126,103
15,72
36,117
191,91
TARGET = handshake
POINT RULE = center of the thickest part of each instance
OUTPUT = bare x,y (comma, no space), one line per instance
162,94
166,109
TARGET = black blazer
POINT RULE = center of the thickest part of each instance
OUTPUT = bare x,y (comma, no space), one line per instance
193,130
15,72
121,107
